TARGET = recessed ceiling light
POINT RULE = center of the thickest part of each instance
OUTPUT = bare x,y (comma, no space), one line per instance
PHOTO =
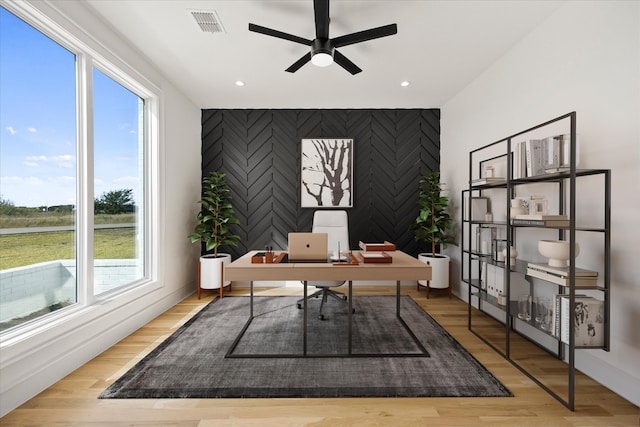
404,83
239,83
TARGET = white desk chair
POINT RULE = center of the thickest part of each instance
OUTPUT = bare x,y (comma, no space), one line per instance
336,225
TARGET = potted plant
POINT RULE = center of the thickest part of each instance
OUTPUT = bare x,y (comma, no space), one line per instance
213,229
434,225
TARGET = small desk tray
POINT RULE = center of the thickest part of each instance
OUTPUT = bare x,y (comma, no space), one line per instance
375,257
378,247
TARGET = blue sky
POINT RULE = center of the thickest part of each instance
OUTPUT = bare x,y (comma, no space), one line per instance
38,152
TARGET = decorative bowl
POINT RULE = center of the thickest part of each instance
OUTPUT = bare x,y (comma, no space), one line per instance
557,251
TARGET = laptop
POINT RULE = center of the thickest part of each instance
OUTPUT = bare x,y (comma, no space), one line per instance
308,247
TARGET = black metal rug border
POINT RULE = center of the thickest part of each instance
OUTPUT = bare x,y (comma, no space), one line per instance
230,355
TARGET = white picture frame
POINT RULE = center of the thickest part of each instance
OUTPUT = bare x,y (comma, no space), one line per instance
538,206
326,177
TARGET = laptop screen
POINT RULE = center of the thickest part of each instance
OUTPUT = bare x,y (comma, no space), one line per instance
308,247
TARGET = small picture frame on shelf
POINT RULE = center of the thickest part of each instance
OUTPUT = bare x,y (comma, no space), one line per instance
538,205
489,171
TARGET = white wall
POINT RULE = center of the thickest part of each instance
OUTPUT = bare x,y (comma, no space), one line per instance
29,364
584,58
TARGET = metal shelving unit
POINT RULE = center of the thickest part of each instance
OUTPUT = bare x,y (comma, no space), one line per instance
498,324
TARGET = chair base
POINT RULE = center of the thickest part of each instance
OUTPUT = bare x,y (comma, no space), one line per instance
325,293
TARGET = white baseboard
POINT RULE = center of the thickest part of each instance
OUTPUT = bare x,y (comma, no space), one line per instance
59,353
608,372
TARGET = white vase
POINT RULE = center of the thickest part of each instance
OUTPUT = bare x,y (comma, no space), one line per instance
439,270
516,208
513,254
211,270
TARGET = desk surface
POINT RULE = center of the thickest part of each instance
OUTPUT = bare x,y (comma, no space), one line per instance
403,267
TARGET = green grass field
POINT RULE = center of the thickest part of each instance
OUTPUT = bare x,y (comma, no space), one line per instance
18,250
47,219
25,249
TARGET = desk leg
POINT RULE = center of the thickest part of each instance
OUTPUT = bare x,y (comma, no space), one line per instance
246,325
350,314
398,298
304,322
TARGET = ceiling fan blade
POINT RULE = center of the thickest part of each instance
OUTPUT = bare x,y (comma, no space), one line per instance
299,63
279,34
344,62
321,10
363,36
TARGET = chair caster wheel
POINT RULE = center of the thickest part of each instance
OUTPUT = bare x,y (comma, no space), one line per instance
299,306
344,297
353,310
321,317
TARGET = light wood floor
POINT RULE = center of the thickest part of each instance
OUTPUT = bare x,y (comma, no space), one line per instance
73,400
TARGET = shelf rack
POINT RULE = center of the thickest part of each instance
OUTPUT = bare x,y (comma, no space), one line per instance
480,303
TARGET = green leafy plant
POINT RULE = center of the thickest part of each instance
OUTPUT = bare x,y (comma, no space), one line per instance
433,225
216,215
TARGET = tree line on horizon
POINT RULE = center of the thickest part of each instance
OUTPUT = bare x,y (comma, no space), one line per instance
110,203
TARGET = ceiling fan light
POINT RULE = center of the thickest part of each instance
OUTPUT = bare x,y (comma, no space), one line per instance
322,59
321,52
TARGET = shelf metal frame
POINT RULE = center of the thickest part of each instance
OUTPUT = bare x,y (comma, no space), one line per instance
468,256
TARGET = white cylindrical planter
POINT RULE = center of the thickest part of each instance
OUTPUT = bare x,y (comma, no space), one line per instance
211,270
439,270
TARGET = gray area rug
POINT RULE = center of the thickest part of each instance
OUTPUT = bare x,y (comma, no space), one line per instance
191,363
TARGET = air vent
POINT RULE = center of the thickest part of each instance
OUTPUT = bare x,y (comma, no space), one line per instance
208,21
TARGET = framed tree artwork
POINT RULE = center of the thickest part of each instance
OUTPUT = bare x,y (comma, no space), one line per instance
327,173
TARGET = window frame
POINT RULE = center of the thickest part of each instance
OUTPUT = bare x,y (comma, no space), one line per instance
87,58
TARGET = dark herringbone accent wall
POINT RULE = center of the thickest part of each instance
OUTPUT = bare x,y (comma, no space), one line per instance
259,150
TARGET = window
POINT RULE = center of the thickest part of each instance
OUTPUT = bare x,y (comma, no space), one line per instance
63,162
118,151
38,181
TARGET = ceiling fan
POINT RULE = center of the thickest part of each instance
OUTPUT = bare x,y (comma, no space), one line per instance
323,49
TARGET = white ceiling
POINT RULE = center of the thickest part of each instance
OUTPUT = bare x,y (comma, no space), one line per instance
441,46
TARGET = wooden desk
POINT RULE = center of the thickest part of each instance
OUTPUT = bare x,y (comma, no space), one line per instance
402,267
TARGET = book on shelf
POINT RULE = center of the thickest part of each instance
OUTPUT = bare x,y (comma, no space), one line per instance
541,222
562,271
552,152
519,161
579,282
494,278
557,149
587,321
555,317
534,155
488,180
541,217
556,320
